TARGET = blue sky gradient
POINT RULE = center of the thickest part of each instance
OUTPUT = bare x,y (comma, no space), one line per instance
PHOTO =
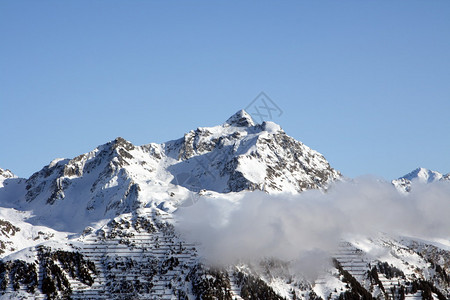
366,83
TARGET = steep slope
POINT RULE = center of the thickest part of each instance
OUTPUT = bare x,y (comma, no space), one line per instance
118,177
139,256
101,225
241,155
68,194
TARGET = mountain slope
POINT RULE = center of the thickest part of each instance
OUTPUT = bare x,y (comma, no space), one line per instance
240,155
101,225
119,177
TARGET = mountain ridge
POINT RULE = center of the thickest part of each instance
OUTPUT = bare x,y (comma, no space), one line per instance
115,177
419,176
101,225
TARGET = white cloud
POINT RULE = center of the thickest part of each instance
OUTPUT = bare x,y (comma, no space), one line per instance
291,227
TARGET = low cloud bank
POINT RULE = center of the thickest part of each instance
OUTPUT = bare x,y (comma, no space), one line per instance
299,227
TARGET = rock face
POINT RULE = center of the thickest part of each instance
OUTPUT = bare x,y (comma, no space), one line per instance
240,119
119,177
240,155
4,174
101,225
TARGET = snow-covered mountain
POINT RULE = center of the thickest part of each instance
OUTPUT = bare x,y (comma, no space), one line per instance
419,175
119,177
4,174
101,225
241,155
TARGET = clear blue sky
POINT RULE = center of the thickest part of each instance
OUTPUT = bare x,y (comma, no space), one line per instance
366,83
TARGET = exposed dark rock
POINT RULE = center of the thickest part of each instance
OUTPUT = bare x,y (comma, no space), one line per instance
6,173
8,229
240,119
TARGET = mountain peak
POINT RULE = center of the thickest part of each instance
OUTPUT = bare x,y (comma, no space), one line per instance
423,175
118,144
6,173
240,119
420,175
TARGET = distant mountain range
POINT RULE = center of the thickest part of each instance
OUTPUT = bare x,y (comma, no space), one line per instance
419,175
101,225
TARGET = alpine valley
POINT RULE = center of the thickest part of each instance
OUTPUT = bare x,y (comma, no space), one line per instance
103,225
